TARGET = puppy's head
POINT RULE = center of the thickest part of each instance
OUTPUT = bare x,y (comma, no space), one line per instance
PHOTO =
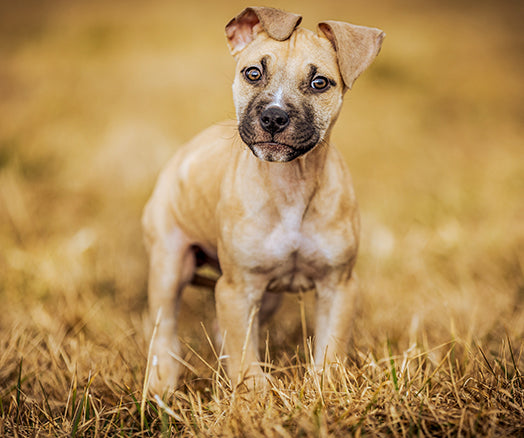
289,82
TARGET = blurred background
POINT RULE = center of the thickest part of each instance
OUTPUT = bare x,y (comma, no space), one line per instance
95,96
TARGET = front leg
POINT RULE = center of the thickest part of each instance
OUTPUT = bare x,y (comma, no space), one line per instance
237,308
172,264
334,319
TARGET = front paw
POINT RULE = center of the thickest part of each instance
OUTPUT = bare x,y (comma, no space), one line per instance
164,371
327,372
255,380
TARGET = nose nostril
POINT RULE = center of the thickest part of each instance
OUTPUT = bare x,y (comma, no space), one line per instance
274,120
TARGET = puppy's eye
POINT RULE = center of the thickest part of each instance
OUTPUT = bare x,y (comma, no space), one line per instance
319,83
253,74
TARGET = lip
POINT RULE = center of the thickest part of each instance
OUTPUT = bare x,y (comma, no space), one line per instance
274,144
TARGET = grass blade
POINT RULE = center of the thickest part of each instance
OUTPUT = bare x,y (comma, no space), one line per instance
392,366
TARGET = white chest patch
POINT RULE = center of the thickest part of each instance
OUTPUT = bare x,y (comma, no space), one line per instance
286,253
288,258
286,236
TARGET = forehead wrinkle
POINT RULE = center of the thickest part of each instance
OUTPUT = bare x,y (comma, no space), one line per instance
291,58
286,59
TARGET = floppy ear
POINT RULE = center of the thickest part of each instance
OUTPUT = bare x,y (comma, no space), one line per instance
241,30
356,47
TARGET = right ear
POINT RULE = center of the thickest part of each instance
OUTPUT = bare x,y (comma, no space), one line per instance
242,29
356,47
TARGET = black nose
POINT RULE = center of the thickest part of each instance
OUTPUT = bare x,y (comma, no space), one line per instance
274,120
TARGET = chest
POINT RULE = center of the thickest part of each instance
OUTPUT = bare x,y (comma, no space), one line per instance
292,246
290,223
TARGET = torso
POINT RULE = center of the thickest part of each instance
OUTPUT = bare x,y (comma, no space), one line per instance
294,230
286,224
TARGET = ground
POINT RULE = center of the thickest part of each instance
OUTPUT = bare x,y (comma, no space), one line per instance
95,96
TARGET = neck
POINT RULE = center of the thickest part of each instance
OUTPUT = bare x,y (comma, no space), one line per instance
297,180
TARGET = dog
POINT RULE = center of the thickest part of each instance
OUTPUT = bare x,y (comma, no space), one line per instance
267,199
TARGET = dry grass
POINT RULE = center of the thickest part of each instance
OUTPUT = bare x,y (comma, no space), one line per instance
94,96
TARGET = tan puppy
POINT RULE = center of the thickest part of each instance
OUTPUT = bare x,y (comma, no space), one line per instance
267,198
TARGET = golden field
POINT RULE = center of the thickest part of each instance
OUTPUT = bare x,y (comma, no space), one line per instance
94,98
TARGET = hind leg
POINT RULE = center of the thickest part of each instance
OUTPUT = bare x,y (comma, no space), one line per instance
172,264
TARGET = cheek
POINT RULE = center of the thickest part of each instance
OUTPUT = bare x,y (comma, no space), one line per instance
336,107
328,110
241,97
236,94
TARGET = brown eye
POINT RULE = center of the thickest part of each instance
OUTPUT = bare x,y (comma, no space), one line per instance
253,74
319,83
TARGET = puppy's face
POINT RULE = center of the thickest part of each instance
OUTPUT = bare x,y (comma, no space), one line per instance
287,94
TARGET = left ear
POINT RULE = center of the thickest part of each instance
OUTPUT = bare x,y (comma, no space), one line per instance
356,47
242,29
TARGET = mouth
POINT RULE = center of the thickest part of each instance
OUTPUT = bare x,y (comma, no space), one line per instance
274,151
